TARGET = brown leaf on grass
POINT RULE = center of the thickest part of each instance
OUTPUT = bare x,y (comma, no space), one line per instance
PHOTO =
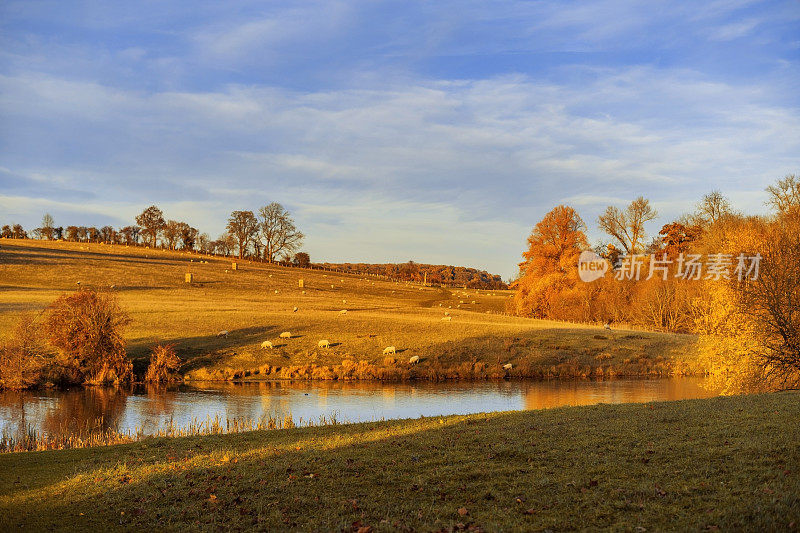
463,511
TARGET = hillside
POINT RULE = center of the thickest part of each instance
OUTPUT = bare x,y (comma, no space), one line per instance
255,303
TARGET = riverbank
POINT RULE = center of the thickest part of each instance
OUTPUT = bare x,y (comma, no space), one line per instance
256,303
727,463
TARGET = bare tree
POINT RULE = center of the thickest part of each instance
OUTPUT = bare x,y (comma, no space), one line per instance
627,227
48,227
784,196
713,207
278,232
171,233
152,222
244,227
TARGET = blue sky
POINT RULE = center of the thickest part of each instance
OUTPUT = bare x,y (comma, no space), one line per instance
434,131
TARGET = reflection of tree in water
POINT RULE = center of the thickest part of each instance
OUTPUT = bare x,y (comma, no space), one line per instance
90,407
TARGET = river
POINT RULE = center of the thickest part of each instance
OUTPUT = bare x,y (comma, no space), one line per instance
147,409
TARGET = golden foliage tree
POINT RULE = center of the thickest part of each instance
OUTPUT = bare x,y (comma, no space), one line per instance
548,283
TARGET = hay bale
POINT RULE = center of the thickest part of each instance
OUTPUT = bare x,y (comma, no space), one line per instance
234,266
189,277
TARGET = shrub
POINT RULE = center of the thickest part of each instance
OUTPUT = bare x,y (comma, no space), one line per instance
21,362
87,327
164,364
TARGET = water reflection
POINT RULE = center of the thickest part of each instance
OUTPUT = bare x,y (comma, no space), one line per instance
150,408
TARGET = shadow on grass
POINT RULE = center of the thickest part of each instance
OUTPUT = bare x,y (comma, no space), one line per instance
596,467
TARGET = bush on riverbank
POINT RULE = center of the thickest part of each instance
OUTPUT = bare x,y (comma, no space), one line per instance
21,361
164,364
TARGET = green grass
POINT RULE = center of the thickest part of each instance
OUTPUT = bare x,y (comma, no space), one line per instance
731,463
480,339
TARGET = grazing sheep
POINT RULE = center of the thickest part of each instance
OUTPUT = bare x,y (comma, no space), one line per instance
276,291
607,325
414,360
331,286
344,301
324,343
223,333
447,313
343,312
265,345
285,335
473,301
508,366
447,318
389,349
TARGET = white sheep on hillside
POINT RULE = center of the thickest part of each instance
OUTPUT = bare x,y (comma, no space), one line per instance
343,312
447,318
508,366
223,333
413,360
265,345
389,349
324,344
285,335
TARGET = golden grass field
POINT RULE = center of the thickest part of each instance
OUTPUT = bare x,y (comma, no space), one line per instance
255,303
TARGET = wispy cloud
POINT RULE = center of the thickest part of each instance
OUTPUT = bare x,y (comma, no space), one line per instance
394,131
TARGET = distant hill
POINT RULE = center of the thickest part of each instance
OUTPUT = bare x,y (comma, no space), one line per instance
437,274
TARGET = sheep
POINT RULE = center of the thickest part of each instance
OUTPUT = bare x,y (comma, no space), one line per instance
265,345
508,366
223,333
447,313
285,335
276,291
447,318
413,360
344,301
294,309
343,312
473,301
389,349
607,324
324,343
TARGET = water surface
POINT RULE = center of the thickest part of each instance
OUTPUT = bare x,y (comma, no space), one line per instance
150,408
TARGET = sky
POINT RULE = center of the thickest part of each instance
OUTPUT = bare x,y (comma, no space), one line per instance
436,131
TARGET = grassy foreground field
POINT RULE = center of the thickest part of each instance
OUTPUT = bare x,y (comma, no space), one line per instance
730,463
255,303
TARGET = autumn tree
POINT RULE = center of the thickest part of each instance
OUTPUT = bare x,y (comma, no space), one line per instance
627,227
87,327
130,234
784,196
171,233
675,238
278,232
151,220
48,227
188,235
243,225
301,259
107,234
550,267
712,208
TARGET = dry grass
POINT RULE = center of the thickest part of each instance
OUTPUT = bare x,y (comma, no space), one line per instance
165,309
